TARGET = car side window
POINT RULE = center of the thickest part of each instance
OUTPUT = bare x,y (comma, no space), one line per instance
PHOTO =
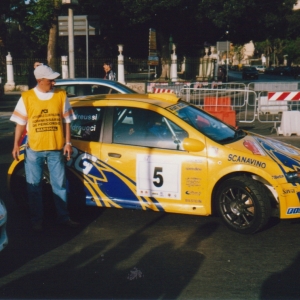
140,127
77,90
70,89
100,89
87,125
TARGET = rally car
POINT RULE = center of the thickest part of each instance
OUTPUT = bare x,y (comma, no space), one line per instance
3,220
157,152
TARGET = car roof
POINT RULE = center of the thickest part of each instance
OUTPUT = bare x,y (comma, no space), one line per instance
98,81
162,100
86,80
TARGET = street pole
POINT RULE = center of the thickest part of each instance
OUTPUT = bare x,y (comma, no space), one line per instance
71,43
87,46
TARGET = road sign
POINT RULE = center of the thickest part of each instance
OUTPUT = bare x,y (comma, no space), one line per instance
80,25
223,46
152,58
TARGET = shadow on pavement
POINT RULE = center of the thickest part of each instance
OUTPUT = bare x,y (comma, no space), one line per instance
113,272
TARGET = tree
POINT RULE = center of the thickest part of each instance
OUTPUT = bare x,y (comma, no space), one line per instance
43,19
239,52
190,22
246,20
292,50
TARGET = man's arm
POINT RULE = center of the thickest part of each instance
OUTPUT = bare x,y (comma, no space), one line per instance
68,146
18,134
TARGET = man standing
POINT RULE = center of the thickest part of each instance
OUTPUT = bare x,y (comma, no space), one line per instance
46,114
109,73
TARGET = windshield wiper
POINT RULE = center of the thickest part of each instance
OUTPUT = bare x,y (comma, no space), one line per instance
239,133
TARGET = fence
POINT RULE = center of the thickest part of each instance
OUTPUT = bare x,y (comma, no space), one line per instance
135,69
236,103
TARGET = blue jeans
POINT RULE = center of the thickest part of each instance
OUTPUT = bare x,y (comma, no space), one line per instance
34,165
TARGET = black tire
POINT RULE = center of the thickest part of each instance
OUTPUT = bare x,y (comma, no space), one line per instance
242,204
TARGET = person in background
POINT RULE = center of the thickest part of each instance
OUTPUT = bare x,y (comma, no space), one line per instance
108,69
47,114
31,78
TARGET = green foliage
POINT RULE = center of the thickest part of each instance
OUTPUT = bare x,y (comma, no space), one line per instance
292,49
245,20
191,23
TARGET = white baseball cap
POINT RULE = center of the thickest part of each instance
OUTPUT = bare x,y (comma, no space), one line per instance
44,71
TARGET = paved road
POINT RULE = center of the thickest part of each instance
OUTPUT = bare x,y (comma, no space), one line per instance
127,254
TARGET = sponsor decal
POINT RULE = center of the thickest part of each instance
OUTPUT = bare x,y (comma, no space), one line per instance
213,151
253,147
246,160
193,193
193,201
193,169
283,147
277,176
193,181
293,211
177,107
292,191
87,117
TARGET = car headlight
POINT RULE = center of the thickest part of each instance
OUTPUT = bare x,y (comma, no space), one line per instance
293,177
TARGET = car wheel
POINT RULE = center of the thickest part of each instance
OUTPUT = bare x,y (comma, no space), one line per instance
242,204
19,189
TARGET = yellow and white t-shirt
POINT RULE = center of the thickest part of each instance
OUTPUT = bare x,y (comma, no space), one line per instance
44,114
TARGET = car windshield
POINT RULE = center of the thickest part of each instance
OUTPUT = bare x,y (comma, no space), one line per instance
206,123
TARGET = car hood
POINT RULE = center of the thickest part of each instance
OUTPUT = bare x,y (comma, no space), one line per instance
267,148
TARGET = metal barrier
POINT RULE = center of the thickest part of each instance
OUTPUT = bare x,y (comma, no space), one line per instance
273,86
243,102
271,106
176,87
264,102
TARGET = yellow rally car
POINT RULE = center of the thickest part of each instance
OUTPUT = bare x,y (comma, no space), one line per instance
156,152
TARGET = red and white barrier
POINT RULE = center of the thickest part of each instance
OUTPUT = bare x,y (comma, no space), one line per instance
159,91
284,96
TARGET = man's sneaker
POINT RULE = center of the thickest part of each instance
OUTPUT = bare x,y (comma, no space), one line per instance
37,227
71,224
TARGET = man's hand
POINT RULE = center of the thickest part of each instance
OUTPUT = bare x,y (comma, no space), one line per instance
20,130
68,151
16,152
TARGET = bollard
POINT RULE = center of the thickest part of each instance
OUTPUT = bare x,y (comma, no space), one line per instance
121,71
64,67
10,84
173,71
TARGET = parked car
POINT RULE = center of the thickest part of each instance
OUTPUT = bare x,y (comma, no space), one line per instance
270,70
296,72
1,90
283,70
157,152
92,86
249,73
260,68
3,220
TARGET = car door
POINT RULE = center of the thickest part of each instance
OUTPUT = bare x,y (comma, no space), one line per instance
83,169
146,166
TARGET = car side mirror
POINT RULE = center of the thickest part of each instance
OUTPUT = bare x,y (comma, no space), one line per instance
192,145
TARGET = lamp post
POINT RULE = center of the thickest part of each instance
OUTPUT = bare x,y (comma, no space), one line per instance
70,4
